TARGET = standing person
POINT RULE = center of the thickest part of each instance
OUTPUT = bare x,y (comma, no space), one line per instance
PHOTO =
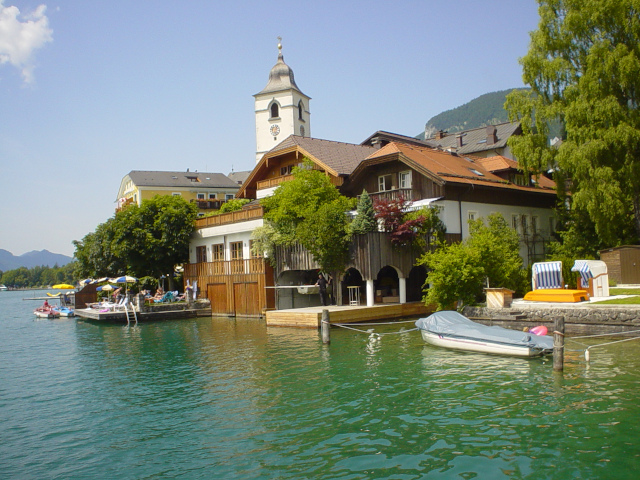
322,287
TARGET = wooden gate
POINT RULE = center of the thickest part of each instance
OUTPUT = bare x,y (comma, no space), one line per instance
244,295
217,295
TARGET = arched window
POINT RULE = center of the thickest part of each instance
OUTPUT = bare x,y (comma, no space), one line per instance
275,112
300,109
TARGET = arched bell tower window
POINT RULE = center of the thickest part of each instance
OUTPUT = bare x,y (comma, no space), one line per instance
300,110
275,111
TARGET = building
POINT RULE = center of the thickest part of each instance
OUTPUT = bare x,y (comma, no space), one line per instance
208,190
464,188
281,109
437,172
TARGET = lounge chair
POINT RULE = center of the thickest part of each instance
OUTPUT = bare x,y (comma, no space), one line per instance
167,297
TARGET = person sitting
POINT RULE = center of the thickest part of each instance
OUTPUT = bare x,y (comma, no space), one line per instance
159,294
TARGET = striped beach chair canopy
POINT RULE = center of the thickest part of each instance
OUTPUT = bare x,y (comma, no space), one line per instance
547,275
589,269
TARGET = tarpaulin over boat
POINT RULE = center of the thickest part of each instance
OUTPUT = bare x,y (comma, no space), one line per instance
450,323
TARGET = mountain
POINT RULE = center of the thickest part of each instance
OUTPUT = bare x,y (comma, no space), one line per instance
9,261
487,109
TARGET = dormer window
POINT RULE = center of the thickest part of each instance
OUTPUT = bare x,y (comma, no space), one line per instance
275,111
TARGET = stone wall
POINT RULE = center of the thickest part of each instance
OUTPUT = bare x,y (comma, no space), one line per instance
579,319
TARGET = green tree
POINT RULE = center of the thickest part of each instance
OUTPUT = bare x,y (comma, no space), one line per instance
310,211
146,240
97,253
583,66
458,271
365,220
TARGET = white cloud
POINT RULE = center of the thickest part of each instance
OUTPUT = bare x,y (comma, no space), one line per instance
21,36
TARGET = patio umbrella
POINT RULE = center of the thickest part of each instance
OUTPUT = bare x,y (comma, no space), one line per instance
125,279
105,288
100,280
86,281
63,286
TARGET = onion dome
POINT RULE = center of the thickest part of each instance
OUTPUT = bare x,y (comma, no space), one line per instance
280,76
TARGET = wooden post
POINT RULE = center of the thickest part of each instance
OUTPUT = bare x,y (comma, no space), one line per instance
325,327
558,344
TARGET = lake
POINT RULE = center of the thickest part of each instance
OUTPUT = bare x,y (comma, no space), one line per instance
222,398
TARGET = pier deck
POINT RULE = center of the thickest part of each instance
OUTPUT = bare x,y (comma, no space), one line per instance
309,317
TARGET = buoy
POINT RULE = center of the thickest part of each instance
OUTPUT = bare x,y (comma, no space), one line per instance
587,355
539,330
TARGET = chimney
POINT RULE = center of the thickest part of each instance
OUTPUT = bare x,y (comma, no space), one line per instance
439,135
492,136
376,142
459,139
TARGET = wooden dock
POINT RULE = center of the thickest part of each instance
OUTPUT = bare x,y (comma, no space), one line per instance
121,317
310,317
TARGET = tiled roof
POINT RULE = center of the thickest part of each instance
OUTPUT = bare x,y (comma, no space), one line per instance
475,140
453,168
239,177
343,158
181,179
497,163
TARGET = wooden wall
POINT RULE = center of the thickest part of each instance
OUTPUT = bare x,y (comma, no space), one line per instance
235,287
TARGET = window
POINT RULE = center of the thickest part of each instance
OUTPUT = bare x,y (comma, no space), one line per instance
535,222
384,183
236,251
472,215
300,110
552,225
200,196
525,224
404,179
229,196
286,170
213,196
275,111
176,194
252,251
217,252
515,223
201,254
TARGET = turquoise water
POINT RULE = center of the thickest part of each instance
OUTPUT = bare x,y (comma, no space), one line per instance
219,398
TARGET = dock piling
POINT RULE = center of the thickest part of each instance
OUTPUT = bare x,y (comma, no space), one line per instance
325,327
558,344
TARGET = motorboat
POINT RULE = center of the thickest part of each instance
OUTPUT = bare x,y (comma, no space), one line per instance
46,311
65,311
450,329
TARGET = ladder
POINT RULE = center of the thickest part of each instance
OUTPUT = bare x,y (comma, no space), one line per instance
130,313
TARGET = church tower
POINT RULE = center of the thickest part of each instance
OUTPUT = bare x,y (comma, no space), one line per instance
281,108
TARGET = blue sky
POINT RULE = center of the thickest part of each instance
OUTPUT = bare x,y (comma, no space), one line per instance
92,90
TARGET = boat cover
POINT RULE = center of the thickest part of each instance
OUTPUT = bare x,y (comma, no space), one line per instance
453,324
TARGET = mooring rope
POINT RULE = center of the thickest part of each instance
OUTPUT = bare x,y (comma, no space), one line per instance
370,331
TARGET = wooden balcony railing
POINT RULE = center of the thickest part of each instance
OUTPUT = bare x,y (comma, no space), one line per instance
211,204
224,267
275,181
272,182
230,217
394,194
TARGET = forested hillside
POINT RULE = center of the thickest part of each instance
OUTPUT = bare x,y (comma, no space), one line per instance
487,109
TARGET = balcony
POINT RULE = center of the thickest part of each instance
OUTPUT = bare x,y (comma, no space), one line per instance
275,181
230,217
393,194
211,204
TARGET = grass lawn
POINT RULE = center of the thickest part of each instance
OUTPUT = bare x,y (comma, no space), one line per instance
623,301
624,291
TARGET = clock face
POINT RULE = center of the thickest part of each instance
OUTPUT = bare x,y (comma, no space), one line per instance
301,130
275,130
